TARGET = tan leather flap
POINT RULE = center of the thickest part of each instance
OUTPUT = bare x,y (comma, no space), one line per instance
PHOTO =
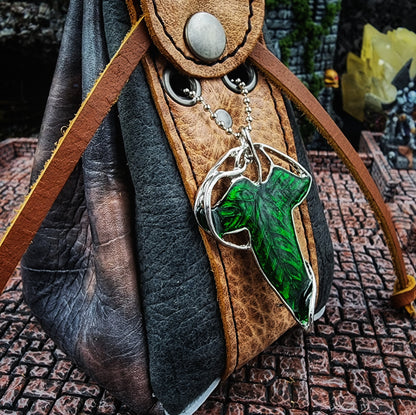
242,21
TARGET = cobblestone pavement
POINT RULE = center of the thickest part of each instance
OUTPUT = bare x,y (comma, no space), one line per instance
360,357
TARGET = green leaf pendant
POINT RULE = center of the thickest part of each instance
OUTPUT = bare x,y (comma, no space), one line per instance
264,209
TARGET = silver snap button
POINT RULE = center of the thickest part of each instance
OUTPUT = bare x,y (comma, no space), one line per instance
205,36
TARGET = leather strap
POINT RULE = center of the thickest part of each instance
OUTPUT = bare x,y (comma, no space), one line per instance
404,297
197,145
302,97
70,148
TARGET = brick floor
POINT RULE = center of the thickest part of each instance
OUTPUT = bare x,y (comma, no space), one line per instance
359,358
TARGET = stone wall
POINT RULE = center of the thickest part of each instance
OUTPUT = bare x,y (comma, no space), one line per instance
346,33
12,148
31,24
280,23
30,34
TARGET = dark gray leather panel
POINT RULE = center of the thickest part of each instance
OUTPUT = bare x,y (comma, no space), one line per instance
323,242
183,324
80,277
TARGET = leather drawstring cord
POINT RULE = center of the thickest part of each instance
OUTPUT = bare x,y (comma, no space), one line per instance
104,95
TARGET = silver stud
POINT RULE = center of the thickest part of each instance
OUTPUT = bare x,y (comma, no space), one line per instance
205,36
224,118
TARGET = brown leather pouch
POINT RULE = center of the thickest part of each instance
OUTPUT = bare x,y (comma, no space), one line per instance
120,275
207,308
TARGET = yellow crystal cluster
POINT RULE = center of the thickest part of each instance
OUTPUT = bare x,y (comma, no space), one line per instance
367,81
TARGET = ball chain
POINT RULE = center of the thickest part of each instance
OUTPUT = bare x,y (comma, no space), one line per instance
207,108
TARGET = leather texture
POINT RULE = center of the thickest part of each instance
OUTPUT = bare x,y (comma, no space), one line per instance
253,316
182,319
242,21
79,274
69,148
71,271
134,10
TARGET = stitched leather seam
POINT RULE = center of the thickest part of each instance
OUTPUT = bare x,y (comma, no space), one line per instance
233,53
219,251
277,112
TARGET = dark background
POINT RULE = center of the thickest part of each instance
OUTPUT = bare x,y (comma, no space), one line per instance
384,15
30,33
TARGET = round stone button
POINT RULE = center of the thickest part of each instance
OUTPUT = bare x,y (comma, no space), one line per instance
205,36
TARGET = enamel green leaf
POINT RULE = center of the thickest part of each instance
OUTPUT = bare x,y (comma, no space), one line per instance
265,210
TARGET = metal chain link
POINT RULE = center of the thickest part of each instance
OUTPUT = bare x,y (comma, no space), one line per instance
207,108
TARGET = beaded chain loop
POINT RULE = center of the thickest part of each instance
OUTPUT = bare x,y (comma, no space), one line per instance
207,108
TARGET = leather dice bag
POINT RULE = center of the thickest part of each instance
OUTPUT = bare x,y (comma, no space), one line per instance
120,274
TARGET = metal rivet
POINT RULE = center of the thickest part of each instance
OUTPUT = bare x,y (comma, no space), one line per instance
205,36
